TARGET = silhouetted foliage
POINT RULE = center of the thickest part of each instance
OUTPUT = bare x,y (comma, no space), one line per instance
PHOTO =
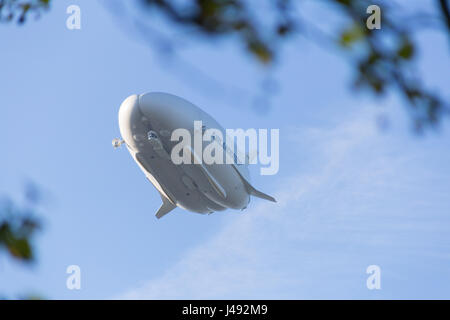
382,59
18,10
18,225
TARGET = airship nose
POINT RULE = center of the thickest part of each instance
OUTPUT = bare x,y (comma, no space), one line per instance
166,110
129,115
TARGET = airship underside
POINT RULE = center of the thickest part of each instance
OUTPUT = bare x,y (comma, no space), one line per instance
146,123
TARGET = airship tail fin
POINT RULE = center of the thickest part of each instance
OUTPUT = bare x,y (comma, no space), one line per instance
165,208
251,190
258,193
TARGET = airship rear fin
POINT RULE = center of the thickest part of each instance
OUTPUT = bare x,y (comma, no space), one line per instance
165,208
251,190
258,193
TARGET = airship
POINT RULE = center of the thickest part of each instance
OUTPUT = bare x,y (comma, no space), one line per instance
146,123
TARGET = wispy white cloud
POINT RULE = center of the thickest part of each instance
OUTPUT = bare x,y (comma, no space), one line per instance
359,203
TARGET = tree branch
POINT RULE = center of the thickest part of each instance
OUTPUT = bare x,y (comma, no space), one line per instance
446,11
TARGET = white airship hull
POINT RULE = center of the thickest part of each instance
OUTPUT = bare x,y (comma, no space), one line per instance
146,122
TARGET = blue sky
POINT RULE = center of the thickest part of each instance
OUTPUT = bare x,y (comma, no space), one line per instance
350,195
